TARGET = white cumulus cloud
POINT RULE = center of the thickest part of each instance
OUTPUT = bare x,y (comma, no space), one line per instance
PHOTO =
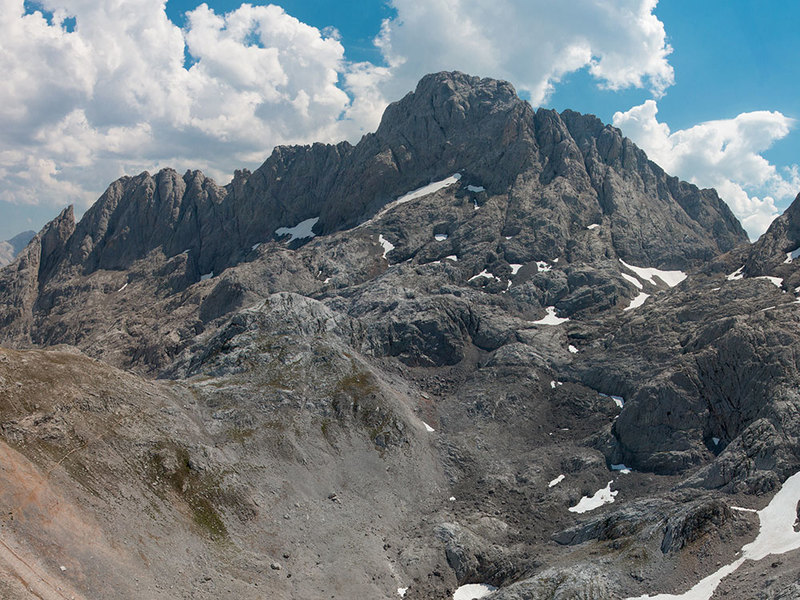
95,89
532,43
724,154
83,105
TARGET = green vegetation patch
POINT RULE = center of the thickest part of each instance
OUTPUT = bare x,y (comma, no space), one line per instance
170,469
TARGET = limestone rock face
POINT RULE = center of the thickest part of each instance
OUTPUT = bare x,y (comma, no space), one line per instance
486,344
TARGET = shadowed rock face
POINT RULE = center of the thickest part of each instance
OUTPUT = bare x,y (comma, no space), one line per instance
435,373
775,247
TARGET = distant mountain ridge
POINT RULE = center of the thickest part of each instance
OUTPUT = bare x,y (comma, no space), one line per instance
10,248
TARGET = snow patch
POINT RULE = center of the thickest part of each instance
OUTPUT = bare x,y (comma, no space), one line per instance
452,257
402,592
593,226
633,280
387,245
550,318
413,195
255,246
716,441
618,400
476,188
440,237
425,190
621,468
776,536
543,266
472,591
637,302
572,349
776,281
603,496
300,231
671,278
790,256
206,276
737,274
428,428
475,202
452,498
486,274
556,481
123,287
515,267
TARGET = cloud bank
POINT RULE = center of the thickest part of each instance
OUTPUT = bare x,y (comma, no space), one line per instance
723,154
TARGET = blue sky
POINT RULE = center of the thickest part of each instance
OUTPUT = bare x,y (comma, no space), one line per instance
97,89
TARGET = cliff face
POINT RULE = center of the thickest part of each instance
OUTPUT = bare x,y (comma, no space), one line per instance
444,336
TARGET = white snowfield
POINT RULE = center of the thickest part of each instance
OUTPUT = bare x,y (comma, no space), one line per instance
387,245
790,256
637,302
737,274
671,278
550,318
602,496
425,190
486,274
428,428
515,267
633,280
776,536
776,281
472,591
300,231
556,481
618,400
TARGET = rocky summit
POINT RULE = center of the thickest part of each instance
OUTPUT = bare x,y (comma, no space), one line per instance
487,346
